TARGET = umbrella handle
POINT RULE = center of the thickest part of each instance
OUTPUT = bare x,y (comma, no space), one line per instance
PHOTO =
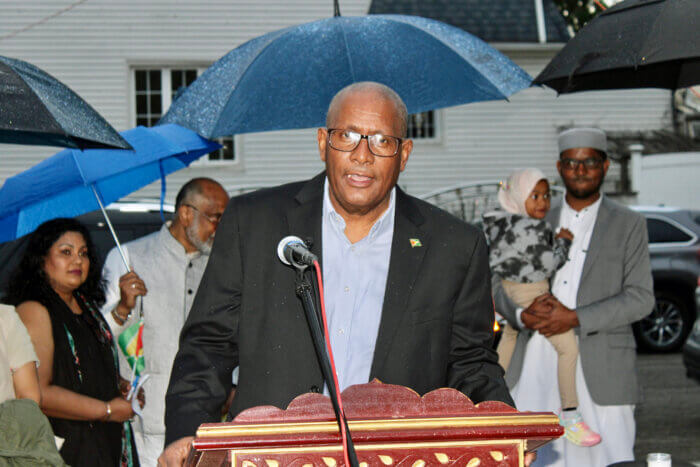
111,228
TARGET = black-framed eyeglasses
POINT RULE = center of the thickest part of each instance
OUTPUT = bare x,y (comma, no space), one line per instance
589,164
379,145
215,219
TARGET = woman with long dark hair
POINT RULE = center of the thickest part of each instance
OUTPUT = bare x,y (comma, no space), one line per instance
58,291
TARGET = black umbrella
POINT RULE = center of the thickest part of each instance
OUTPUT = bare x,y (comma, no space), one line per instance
36,108
635,44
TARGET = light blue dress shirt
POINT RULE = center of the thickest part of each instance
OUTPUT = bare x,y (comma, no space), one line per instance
354,280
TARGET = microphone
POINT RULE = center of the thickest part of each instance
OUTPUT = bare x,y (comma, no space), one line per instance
292,251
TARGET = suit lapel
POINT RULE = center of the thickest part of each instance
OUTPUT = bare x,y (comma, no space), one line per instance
305,219
404,267
599,230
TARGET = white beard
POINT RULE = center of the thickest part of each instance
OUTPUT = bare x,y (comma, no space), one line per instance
192,233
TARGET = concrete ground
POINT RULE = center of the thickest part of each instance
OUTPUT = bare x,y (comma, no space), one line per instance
668,419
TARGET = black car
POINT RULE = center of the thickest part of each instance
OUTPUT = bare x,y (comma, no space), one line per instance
691,351
131,220
674,247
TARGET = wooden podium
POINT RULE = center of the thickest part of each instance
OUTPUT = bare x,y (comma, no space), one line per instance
390,426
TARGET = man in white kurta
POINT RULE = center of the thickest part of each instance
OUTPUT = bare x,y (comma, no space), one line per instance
615,423
167,267
603,288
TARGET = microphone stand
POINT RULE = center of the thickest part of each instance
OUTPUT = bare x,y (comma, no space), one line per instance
304,289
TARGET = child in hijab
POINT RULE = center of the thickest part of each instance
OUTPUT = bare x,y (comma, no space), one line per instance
526,253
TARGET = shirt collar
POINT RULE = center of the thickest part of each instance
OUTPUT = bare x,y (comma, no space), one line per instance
168,241
591,209
385,221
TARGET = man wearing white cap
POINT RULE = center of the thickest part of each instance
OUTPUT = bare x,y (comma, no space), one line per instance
604,286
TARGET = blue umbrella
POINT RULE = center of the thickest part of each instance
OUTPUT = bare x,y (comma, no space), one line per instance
285,79
73,182
36,108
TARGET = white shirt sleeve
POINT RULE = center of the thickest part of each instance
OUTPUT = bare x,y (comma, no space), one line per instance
112,270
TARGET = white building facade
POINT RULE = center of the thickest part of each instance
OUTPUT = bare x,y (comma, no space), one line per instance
127,58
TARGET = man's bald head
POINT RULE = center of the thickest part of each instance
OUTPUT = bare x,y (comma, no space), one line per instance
199,206
369,87
196,186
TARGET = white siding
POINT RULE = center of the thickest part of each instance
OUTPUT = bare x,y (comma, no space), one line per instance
93,46
484,141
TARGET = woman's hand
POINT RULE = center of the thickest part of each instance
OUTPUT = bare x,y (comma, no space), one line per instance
130,287
121,410
141,397
125,388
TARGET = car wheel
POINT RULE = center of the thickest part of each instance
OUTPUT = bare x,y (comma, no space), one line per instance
666,327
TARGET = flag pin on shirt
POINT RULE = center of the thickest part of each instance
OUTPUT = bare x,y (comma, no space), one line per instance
415,242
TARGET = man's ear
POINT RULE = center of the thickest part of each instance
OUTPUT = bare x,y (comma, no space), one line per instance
606,165
322,138
406,149
184,215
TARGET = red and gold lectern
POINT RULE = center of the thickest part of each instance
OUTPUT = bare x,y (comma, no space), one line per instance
390,426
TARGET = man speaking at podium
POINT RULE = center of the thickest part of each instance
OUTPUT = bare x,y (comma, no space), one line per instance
407,285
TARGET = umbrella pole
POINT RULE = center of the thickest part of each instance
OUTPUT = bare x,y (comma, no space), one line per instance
111,228
336,8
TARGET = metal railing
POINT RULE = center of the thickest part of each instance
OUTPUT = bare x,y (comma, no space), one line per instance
470,201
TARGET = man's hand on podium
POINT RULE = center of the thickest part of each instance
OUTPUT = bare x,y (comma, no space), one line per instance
176,452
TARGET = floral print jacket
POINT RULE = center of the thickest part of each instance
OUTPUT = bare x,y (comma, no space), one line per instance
523,249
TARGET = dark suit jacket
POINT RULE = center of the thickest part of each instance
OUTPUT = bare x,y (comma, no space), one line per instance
436,328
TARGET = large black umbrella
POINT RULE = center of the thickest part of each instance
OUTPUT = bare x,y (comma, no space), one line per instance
36,108
635,44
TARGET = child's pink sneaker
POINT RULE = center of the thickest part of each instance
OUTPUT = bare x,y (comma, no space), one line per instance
578,432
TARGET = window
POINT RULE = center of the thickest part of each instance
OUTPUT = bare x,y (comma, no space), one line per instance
422,126
148,91
179,80
227,153
664,232
153,101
